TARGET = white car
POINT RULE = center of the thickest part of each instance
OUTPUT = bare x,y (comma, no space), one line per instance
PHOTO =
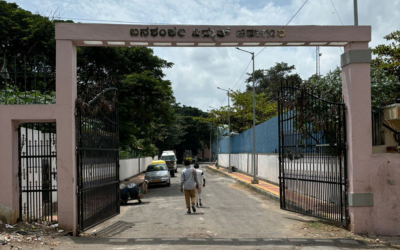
158,173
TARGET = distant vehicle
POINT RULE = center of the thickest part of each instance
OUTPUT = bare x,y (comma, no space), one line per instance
194,159
187,156
157,173
170,160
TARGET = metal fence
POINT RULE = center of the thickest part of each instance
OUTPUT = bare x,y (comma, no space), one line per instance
97,159
26,81
312,154
37,172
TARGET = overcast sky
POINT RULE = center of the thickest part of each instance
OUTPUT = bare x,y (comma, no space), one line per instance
198,71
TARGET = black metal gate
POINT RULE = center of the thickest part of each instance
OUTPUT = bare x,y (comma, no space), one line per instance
97,158
312,154
37,170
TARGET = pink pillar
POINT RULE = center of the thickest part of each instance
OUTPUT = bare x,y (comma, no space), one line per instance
9,209
66,157
357,96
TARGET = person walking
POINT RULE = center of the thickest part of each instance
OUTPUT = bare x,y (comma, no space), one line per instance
202,183
189,183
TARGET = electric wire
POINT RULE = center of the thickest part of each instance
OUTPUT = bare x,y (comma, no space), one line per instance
337,14
286,24
239,79
266,47
297,12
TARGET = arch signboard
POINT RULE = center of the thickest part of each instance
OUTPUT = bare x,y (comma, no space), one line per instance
209,36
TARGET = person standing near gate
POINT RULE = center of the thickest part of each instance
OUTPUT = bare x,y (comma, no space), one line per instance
189,183
202,183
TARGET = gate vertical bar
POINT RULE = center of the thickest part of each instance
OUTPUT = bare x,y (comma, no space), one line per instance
20,171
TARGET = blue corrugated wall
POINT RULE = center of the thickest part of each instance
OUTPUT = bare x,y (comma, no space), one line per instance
266,139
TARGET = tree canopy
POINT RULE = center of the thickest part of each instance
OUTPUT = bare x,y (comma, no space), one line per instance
388,55
197,131
241,111
268,80
150,120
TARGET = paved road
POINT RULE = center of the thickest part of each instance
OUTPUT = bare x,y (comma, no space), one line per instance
231,217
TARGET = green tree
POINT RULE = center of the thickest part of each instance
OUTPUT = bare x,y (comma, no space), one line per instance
197,132
383,87
146,101
388,56
23,36
241,111
24,33
145,109
146,115
269,80
388,60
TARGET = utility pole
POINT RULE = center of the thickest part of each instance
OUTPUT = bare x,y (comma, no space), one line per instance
355,13
217,151
229,129
318,62
254,180
210,141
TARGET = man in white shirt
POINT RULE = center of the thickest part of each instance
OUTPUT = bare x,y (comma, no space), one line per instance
189,183
202,183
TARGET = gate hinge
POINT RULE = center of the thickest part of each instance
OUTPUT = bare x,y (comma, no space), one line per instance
347,183
77,189
76,150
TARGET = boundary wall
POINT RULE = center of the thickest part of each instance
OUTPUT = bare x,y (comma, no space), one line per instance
133,166
266,139
267,165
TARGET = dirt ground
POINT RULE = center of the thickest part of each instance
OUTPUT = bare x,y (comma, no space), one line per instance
33,235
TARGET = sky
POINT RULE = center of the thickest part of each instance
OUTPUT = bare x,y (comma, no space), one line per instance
197,72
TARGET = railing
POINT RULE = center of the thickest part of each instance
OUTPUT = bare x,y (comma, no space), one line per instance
26,81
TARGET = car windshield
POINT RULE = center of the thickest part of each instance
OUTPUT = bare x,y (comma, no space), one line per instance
167,158
158,167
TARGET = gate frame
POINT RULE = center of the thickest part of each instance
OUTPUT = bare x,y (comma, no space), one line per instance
286,124
80,155
21,162
355,74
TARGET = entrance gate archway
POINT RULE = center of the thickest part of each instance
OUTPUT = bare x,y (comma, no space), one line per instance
355,64
355,60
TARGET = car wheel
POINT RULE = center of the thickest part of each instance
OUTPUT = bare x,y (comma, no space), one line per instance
169,183
176,170
172,173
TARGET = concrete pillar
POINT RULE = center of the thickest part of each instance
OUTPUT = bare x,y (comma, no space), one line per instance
66,157
357,96
9,209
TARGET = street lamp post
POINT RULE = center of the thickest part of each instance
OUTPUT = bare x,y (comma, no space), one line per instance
229,132
210,141
254,180
217,151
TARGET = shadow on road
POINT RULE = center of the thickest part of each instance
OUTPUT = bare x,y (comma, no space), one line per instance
136,203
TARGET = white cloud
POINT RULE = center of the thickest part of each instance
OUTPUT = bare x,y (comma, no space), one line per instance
198,71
